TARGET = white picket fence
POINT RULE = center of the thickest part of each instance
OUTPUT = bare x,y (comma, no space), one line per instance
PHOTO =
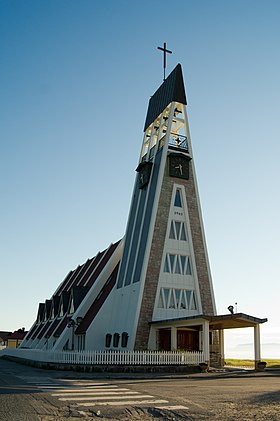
108,357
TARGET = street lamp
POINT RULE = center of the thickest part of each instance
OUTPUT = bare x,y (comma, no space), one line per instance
73,324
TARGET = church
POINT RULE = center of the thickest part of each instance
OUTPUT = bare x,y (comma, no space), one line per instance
152,289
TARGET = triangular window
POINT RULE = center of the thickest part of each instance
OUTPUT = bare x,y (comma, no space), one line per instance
177,267
166,266
160,300
178,201
177,226
183,262
188,295
172,300
166,294
183,233
172,258
193,302
177,296
188,268
172,232
183,303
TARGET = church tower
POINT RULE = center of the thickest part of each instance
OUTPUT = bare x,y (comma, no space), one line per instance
153,288
164,271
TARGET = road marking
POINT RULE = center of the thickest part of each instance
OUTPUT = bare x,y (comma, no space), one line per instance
172,407
87,394
99,396
88,389
120,403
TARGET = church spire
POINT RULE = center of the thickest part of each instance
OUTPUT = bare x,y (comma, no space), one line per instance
171,90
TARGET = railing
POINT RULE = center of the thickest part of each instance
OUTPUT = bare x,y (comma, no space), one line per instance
108,357
178,141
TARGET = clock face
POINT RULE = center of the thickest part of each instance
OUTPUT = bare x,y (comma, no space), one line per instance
144,171
179,166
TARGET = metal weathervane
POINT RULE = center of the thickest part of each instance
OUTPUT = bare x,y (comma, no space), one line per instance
164,57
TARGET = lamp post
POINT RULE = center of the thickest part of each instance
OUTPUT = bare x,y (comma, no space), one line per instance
73,324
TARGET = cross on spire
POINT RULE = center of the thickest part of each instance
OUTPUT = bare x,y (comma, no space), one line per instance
164,57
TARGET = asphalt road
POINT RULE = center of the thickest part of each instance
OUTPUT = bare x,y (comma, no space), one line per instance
28,394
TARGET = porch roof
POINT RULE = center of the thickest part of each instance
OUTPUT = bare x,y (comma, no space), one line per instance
217,322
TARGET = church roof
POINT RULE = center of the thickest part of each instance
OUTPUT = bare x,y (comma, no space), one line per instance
98,302
172,89
73,289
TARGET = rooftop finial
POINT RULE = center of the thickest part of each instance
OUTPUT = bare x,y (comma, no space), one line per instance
164,57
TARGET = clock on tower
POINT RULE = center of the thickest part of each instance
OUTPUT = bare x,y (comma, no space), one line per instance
179,165
144,169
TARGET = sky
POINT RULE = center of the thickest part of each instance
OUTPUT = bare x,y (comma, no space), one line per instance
75,81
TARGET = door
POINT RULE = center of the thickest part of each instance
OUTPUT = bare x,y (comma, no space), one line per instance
188,340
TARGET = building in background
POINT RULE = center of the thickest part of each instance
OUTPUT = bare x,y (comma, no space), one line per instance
16,338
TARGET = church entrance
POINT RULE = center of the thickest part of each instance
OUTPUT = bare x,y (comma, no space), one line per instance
188,340
164,339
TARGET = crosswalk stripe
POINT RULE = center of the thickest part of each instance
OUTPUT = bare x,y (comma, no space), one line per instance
93,392
97,398
120,403
172,407
97,395
86,389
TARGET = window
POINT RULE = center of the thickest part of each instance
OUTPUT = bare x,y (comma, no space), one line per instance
193,307
177,226
172,232
160,300
177,264
177,231
183,233
171,300
188,269
176,299
166,295
178,201
166,265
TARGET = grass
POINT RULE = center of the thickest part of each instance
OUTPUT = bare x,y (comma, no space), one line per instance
251,363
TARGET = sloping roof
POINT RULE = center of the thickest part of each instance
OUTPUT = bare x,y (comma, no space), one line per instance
48,306
78,294
75,286
172,89
61,327
41,310
98,302
55,304
44,329
52,327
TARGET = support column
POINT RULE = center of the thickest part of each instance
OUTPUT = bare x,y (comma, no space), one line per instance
173,338
222,346
205,340
257,345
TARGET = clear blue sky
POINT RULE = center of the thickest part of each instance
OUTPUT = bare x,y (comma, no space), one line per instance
76,77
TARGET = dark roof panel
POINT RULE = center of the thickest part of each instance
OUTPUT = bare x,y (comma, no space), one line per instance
61,327
172,89
98,302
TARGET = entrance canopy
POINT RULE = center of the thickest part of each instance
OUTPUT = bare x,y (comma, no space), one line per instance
204,324
224,321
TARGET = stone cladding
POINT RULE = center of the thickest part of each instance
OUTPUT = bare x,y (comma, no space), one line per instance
154,264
